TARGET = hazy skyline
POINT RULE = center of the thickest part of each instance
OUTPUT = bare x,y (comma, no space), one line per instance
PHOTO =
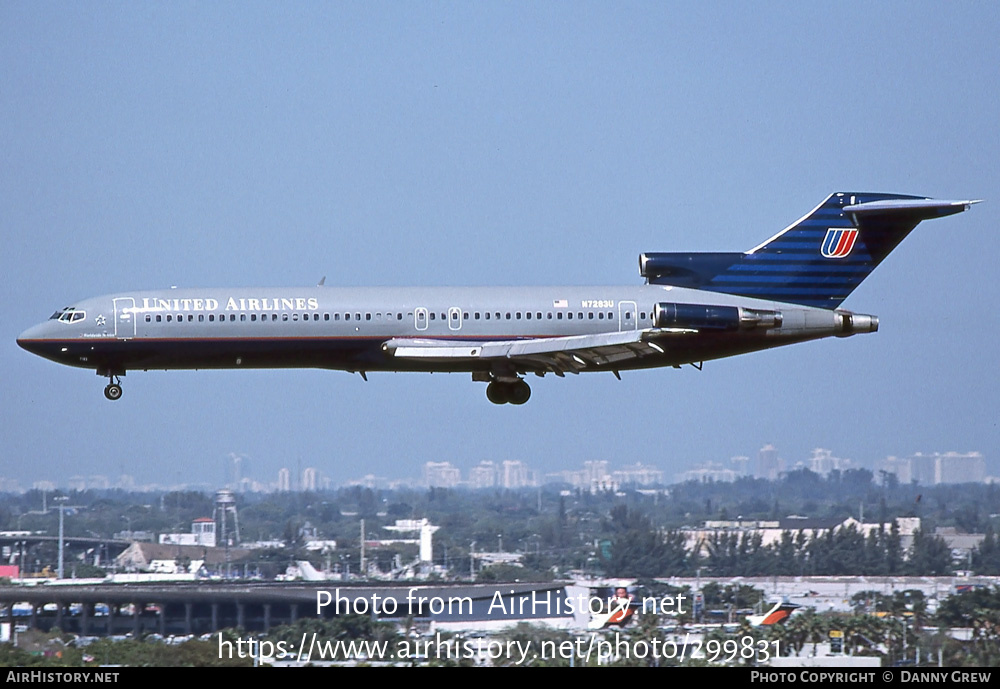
238,144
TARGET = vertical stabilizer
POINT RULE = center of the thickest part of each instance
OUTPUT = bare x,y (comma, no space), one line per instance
817,261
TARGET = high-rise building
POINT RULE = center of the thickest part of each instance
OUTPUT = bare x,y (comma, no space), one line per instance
740,464
955,467
441,475
515,474
900,467
923,468
709,472
637,475
237,469
483,476
931,469
597,475
309,479
284,480
769,464
823,462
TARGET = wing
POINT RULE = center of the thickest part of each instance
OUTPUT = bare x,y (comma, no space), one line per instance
559,355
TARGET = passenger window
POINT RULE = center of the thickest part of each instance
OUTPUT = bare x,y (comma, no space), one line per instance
433,316
518,315
284,316
357,316
326,316
528,315
399,316
627,315
508,315
148,318
368,316
201,318
549,315
253,317
579,315
336,316
600,315
159,319
211,318
347,316
243,317
569,315
170,319
559,316
590,315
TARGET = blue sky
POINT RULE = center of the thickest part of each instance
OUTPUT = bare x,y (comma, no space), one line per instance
236,144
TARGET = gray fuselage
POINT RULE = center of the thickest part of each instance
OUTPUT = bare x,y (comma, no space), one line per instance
345,328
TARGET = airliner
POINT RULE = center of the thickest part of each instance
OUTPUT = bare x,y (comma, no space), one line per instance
693,307
778,614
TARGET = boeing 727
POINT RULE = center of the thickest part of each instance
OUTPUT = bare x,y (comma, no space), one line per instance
693,308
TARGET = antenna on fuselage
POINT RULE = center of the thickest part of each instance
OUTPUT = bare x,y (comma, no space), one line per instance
322,281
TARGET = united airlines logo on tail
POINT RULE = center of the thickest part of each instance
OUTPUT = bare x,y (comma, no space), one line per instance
838,242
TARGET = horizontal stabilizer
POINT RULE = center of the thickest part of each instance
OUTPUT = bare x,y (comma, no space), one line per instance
924,209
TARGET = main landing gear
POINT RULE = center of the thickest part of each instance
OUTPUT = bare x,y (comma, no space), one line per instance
113,391
508,392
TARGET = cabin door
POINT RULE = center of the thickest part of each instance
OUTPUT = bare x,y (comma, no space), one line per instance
125,318
626,315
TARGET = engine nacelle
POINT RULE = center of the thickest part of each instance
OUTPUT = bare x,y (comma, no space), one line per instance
712,317
854,323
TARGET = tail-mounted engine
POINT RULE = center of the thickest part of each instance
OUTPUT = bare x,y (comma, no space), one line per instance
849,323
710,317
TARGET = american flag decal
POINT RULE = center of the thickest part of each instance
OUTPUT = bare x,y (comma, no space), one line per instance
838,242
560,304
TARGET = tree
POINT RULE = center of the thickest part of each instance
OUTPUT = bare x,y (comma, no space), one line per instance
639,550
930,556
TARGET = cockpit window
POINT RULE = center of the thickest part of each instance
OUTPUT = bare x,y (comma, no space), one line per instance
70,315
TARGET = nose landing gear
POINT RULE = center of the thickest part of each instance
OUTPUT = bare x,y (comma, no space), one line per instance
113,390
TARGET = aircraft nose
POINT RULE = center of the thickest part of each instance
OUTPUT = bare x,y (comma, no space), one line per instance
33,338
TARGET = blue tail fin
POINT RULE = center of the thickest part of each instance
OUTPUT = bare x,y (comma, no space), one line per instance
817,261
